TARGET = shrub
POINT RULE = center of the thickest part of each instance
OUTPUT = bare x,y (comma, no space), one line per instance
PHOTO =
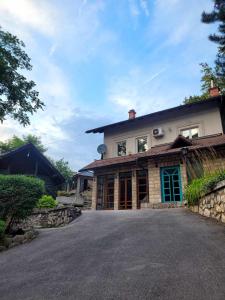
200,186
18,196
2,229
47,201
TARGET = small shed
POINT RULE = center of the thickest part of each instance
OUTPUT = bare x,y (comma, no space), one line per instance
28,160
83,181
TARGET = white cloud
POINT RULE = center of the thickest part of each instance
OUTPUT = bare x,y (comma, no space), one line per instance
59,107
73,31
37,15
139,89
144,6
177,21
134,9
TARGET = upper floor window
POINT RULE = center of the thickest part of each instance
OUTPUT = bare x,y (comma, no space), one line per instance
190,133
121,148
142,144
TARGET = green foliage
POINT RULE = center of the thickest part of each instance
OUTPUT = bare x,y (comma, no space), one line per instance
208,74
200,186
36,141
18,98
16,142
217,15
63,167
216,73
47,201
19,195
2,228
193,99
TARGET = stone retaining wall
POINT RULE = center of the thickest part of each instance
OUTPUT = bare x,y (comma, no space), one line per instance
53,217
213,204
12,241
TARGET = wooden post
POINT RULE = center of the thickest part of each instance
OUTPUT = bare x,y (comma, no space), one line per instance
94,193
116,191
134,189
78,187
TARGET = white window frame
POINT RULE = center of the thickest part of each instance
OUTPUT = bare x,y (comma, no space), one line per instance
141,137
117,143
189,129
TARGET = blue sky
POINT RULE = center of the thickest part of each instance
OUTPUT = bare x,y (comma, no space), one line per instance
93,60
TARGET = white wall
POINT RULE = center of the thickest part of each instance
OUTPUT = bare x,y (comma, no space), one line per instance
208,121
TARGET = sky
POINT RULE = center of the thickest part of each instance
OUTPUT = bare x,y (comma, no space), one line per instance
93,60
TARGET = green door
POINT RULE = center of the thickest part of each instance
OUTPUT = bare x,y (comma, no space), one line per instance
171,184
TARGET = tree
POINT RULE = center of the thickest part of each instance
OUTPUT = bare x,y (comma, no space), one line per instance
18,99
218,15
36,141
63,167
16,142
217,73
208,74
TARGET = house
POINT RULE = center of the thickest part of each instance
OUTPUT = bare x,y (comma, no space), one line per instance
148,160
28,160
83,181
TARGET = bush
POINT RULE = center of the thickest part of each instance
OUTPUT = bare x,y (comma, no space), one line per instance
18,196
201,186
47,201
2,229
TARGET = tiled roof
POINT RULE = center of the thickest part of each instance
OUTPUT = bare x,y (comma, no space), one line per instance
178,110
161,150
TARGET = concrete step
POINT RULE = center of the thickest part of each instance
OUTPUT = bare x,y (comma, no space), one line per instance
162,205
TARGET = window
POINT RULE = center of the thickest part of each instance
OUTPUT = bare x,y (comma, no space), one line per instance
121,148
142,144
190,133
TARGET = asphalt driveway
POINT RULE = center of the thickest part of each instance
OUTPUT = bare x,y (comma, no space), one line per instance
151,254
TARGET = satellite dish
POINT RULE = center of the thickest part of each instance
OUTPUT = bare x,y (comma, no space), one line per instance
102,149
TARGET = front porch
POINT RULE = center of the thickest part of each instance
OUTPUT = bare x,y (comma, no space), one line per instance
135,186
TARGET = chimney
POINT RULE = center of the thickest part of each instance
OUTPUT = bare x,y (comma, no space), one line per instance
132,114
214,91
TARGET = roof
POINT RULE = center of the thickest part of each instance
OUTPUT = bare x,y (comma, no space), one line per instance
84,174
162,150
178,110
30,147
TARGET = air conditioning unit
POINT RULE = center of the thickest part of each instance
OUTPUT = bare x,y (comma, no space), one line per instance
158,132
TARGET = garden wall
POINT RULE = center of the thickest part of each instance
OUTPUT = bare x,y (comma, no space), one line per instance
213,203
53,217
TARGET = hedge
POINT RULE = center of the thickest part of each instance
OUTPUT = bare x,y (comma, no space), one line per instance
2,228
18,196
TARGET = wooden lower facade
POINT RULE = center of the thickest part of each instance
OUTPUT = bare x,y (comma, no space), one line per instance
134,186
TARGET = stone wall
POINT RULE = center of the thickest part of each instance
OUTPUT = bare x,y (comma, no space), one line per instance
213,204
12,241
54,217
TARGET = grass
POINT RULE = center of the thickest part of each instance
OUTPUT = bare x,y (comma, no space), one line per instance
201,186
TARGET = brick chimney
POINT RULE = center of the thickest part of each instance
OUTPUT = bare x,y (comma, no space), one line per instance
214,91
132,114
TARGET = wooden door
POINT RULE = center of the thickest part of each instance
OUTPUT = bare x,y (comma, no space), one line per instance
125,195
142,187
